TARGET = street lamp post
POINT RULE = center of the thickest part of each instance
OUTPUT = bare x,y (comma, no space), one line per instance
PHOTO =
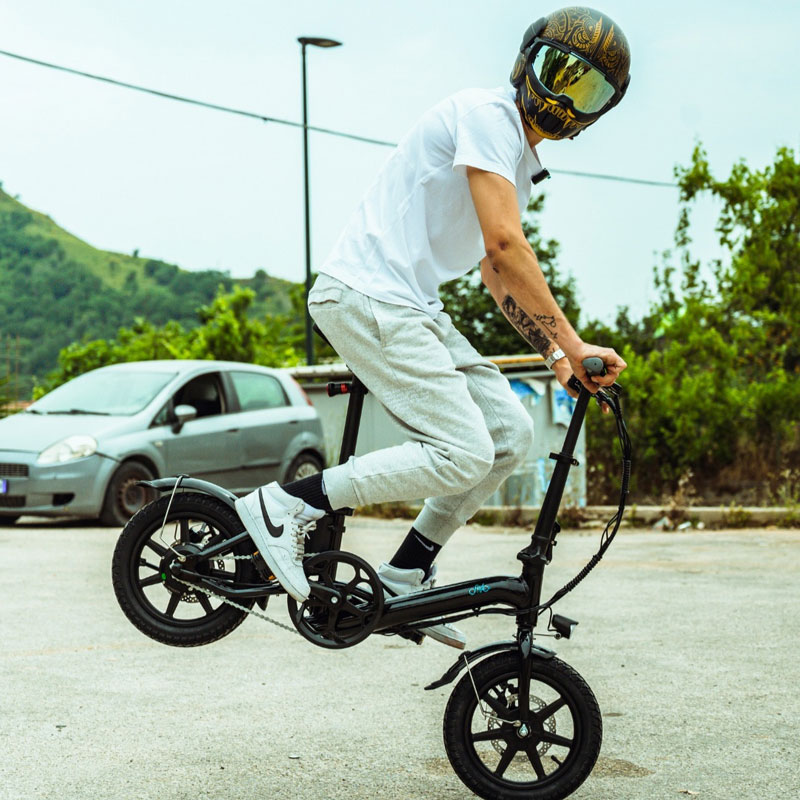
315,42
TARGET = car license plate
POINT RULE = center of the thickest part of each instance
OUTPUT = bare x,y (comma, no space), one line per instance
3,486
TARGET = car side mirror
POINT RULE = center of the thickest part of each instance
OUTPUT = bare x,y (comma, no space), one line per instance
182,414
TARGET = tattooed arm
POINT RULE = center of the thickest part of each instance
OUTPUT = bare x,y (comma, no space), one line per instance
511,273
538,331
533,330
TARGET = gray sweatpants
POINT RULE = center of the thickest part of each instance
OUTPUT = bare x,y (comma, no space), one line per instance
466,428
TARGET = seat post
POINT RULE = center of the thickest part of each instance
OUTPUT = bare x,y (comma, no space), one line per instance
329,530
356,390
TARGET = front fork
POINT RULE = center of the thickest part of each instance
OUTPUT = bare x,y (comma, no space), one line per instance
524,642
534,559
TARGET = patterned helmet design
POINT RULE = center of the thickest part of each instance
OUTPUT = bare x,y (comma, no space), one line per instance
572,67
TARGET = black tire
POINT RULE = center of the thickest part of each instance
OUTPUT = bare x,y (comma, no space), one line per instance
6,520
123,497
492,759
303,466
168,613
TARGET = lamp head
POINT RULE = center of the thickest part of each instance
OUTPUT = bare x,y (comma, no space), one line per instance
318,41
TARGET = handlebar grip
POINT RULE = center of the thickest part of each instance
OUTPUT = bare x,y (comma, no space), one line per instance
594,366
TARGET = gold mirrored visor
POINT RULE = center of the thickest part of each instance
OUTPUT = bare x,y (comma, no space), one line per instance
567,75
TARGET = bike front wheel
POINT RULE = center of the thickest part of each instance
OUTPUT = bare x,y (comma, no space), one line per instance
497,756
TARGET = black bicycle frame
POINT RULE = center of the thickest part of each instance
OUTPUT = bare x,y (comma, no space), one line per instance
521,594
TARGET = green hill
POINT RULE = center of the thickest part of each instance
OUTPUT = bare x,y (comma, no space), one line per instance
56,289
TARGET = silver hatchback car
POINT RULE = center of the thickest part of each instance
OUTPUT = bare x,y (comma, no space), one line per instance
82,449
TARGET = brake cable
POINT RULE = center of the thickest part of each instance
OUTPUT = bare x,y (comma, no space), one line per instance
612,397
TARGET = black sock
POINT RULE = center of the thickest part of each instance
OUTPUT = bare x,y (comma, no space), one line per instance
310,489
416,552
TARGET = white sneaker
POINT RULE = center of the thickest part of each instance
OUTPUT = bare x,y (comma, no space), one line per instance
405,581
270,516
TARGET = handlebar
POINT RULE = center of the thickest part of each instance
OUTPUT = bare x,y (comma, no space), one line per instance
593,366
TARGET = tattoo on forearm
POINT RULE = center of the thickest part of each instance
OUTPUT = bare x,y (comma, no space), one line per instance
537,330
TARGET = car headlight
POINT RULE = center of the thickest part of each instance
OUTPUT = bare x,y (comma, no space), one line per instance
68,450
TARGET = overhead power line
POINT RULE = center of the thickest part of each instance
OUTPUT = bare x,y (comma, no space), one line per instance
264,118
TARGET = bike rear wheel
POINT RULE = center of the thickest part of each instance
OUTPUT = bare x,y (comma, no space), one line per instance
158,605
498,758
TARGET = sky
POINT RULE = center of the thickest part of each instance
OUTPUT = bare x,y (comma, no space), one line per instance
127,171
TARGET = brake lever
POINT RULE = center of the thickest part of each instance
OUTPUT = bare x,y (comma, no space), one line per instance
602,399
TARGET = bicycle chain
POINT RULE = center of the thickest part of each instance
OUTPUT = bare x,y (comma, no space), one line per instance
233,603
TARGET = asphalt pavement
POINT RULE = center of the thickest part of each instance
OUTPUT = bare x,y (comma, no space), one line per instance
689,641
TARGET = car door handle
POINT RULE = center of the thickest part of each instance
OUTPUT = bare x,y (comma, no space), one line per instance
232,430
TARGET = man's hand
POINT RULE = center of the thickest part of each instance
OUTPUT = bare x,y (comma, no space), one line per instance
614,365
565,368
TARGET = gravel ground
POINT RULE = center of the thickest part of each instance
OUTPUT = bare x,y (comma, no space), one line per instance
689,640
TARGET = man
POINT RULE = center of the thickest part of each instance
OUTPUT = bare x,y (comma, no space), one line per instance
451,194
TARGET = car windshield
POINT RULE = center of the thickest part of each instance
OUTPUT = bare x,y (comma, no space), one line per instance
118,393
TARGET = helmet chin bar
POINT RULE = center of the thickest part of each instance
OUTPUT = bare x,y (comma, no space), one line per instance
549,120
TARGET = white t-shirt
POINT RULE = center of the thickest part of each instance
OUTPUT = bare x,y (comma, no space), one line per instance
416,226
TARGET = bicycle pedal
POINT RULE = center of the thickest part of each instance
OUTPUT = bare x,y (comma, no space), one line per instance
413,636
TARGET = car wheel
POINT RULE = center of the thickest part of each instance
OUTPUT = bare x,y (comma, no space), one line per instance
123,497
305,465
8,520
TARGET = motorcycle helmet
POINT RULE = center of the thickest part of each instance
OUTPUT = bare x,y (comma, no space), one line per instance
572,67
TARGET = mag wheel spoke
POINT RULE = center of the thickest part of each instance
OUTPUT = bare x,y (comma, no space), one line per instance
505,759
488,736
204,602
172,605
156,547
552,738
151,581
536,761
550,709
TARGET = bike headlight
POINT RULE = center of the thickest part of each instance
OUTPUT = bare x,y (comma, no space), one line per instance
68,449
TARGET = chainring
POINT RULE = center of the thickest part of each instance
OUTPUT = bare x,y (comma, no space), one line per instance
345,604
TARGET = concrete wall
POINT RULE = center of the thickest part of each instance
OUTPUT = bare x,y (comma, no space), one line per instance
539,392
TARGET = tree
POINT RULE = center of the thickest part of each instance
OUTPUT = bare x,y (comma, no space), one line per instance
715,392
226,333
5,400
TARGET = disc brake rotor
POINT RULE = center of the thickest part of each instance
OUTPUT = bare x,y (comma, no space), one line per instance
536,705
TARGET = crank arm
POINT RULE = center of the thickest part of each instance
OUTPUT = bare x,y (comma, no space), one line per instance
326,595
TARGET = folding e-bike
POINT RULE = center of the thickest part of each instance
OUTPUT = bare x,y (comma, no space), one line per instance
520,723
